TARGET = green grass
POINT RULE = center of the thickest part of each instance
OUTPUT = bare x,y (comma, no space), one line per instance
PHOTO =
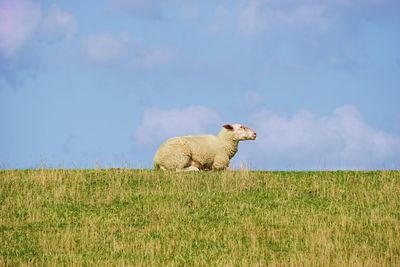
138,217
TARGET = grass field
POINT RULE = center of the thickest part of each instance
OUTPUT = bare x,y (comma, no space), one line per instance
138,217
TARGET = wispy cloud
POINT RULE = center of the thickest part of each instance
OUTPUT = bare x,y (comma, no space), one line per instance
307,34
258,16
157,124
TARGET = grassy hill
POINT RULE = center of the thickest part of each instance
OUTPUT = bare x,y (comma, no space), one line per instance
140,217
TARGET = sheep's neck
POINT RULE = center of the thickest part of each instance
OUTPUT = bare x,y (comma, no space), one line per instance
230,146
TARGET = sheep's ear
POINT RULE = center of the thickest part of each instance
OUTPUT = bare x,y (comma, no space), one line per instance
228,127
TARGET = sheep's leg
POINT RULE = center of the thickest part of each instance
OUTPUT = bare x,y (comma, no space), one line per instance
188,169
193,166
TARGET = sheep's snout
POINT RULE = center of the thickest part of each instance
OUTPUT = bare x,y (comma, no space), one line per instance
254,135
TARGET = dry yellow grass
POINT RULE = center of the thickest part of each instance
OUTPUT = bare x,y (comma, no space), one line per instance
140,217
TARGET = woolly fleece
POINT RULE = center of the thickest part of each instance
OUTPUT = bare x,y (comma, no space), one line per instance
202,152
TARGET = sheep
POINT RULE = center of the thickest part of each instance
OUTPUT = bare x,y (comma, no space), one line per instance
202,152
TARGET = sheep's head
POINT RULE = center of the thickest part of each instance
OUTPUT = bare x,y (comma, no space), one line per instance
240,132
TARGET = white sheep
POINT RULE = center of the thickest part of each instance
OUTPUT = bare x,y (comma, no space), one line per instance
202,152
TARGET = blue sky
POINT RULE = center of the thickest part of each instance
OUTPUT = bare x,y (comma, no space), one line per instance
103,83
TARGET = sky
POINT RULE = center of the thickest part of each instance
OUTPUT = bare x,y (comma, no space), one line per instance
89,84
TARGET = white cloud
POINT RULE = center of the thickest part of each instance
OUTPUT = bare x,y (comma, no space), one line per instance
303,141
158,124
339,141
19,20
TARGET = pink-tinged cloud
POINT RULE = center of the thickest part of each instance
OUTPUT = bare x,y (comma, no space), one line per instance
158,124
19,22
26,29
